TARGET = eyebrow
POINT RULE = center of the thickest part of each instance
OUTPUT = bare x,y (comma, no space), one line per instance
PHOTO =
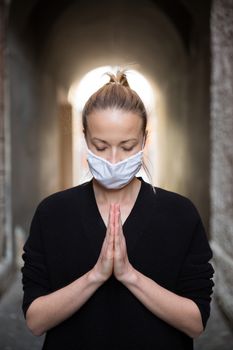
97,139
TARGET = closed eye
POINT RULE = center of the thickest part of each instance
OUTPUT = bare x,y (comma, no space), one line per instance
100,149
125,149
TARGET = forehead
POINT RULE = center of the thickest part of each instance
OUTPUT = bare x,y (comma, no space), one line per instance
112,122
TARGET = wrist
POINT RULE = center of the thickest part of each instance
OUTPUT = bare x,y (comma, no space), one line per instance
130,277
94,277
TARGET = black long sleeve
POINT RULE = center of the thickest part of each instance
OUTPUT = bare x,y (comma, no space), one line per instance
34,272
166,241
195,280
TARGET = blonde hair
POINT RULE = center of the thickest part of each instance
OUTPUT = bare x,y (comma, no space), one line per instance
117,94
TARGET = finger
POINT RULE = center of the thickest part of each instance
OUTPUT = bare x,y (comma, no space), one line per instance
109,231
109,214
110,218
117,230
116,240
110,246
119,217
113,213
110,239
116,220
118,223
111,223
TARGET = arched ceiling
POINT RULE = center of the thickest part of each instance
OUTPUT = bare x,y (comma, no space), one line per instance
64,31
39,15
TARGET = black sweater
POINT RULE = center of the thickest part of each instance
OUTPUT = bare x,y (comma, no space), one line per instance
166,241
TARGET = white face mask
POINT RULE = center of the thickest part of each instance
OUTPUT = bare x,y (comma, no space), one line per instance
115,175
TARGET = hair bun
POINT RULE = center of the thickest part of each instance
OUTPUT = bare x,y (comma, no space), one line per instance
118,78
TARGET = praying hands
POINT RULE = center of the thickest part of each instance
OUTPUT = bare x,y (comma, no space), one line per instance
113,256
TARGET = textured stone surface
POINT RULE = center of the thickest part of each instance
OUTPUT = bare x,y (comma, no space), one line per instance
6,244
222,150
15,334
1,127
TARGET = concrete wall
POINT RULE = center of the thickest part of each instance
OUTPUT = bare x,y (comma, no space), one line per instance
222,151
34,130
6,238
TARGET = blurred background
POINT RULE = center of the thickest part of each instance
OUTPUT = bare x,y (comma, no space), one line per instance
52,57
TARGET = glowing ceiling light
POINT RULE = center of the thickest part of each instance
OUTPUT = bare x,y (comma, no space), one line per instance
93,80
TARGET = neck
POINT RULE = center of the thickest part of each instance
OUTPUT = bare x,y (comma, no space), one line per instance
123,195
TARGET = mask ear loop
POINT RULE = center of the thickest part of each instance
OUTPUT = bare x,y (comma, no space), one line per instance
143,143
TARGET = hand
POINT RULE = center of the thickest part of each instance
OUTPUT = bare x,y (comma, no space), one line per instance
122,268
104,267
113,256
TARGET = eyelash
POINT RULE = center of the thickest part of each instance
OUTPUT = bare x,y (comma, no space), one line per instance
125,149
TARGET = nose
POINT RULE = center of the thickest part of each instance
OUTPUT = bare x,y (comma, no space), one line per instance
114,157
113,160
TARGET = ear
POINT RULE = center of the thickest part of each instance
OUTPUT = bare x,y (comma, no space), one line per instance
145,135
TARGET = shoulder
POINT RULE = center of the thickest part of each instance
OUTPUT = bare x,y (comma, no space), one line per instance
176,203
180,214
171,198
64,199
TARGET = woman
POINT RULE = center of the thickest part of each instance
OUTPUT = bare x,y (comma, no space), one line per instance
116,263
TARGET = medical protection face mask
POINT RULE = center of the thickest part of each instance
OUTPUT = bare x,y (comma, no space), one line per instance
115,175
